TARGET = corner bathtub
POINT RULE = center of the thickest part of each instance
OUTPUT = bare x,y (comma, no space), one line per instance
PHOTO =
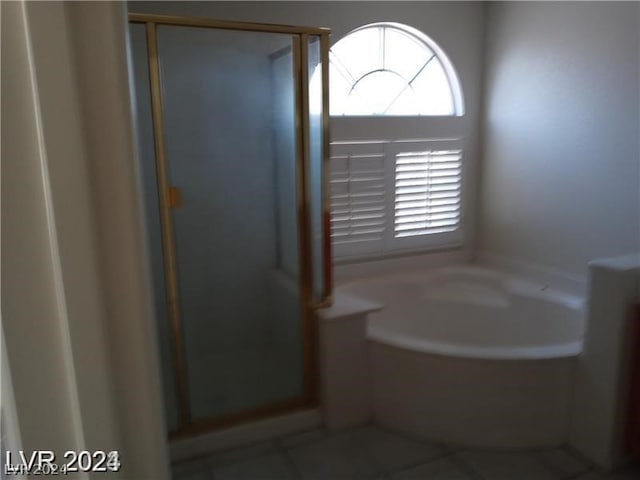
472,357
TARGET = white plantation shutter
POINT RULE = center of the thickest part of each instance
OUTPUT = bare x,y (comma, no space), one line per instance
358,198
388,196
427,192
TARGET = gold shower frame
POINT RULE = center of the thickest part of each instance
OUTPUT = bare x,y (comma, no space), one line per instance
300,44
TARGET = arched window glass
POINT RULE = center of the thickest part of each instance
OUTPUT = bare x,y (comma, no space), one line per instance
391,69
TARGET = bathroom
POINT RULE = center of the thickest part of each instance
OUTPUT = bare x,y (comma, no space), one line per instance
496,342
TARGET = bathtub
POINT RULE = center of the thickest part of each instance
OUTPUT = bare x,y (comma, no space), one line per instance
471,356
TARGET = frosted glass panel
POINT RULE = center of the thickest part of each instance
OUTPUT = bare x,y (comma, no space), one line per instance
316,167
230,143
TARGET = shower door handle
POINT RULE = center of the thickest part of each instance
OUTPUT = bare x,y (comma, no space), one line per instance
175,197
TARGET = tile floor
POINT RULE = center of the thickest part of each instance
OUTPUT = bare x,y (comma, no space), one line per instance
379,454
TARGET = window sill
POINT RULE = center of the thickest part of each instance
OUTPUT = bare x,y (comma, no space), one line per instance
346,269
355,259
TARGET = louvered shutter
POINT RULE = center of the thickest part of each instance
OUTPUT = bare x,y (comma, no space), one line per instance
395,196
358,198
427,192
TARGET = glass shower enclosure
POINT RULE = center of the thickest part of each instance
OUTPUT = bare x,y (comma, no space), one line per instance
232,127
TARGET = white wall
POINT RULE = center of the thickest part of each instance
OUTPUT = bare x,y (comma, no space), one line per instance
34,315
9,429
561,171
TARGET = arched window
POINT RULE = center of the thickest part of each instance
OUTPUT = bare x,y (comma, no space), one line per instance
392,69
395,186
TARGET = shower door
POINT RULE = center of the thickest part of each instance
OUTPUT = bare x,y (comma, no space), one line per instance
223,144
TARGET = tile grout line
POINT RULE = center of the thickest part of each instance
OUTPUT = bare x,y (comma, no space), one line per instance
297,475
445,452
270,447
379,469
443,456
466,467
588,466
413,437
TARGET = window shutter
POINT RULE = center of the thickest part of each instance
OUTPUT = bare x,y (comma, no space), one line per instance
358,198
395,196
427,192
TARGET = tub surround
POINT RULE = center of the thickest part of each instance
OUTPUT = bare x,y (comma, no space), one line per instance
602,374
345,385
465,355
501,404
472,312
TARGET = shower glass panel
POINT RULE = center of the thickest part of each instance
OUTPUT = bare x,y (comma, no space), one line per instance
230,137
232,134
316,147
